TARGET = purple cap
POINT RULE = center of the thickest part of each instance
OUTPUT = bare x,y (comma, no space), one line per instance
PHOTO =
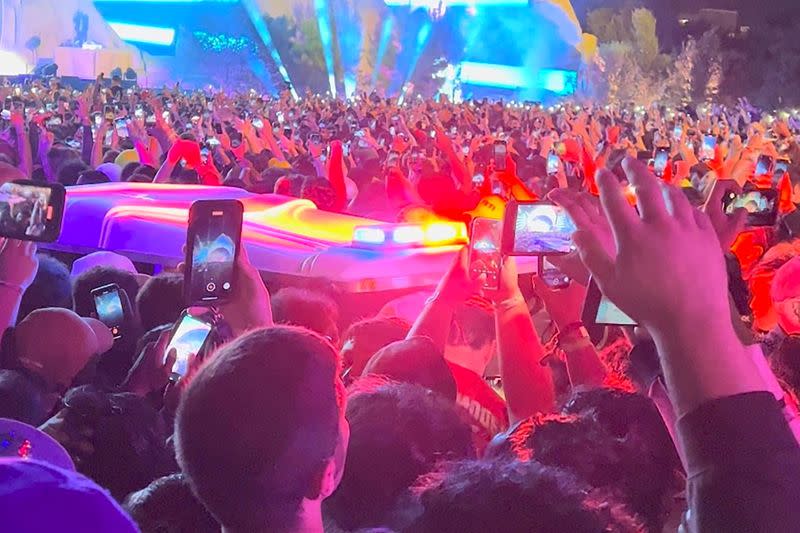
37,497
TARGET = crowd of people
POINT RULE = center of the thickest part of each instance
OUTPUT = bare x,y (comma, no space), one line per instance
451,409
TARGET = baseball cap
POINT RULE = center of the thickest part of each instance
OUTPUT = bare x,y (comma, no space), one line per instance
414,360
112,171
108,259
37,497
56,344
21,441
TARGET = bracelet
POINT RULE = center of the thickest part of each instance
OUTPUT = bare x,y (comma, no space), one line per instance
511,303
15,288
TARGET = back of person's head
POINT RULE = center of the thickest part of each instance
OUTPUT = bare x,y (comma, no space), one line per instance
306,308
98,276
129,170
511,496
471,342
415,360
257,429
160,300
146,170
398,431
50,288
21,398
127,438
91,177
167,505
110,156
69,171
58,155
319,191
139,178
363,339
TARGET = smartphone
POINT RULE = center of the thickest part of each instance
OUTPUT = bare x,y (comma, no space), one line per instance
218,129
552,276
212,141
31,211
139,112
98,119
358,133
258,123
108,113
393,159
465,150
537,228
122,128
500,151
677,133
709,146
485,251
761,206
781,166
189,337
109,304
315,138
552,164
212,245
660,161
597,309
764,165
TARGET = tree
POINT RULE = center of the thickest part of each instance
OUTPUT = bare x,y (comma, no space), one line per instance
644,37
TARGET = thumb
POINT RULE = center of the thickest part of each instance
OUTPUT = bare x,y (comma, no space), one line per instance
169,360
737,220
594,256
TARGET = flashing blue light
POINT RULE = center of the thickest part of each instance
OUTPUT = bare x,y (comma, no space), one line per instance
368,235
260,25
423,35
324,23
386,36
560,82
408,235
137,33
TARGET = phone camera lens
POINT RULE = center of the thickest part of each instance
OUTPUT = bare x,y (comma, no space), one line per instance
211,287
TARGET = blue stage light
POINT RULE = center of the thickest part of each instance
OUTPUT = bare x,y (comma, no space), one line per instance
434,4
383,45
137,33
324,23
560,82
260,25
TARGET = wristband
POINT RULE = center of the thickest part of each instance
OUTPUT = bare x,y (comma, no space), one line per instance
511,303
572,329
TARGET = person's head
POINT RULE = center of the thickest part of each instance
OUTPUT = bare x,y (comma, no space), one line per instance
50,288
128,170
92,177
160,300
167,505
60,155
398,431
125,434
69,172
786,296
363,339
56,344
319,191
260,432
508,496
760,280
99,276
307,308
415,360
472,340
21,398
37,496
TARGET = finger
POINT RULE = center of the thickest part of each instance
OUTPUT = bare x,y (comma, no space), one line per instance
595,257
702,220
650,200
737,220
678,205
169,361
620,214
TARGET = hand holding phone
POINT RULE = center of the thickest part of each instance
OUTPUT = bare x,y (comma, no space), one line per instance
189,337
597,309
113,308
212,246
485,255
761,206
537,228
500,152
31,211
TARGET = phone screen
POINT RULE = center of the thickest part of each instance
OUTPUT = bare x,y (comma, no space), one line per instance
109,309
662,156
709,146
677,132
485,253
781,166
187,339
31,212
122,128
214,232
761,206
552,164
500,151
541,229
764,165
608,313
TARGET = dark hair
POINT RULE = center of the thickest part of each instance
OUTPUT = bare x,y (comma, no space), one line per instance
110,156
146,170
60,155
167,505
398,431
785,362
128,439
258,424
307,308
97,277
69,171
160,300
139,178
510,496
368,336
21,398
90,177
128,170
319,191
472,325
50,288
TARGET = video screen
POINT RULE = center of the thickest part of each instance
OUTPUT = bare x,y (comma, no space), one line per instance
213,255
188,339
543,229
109,308
24,211
608,313
485,252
